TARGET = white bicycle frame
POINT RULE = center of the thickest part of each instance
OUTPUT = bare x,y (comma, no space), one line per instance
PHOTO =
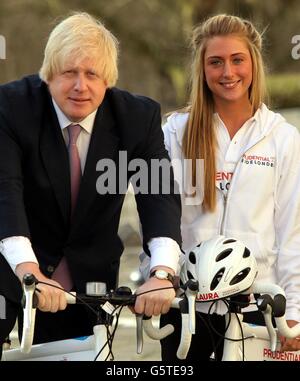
257,346
78,349
81,349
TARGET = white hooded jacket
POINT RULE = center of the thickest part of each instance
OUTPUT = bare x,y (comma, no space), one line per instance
262,205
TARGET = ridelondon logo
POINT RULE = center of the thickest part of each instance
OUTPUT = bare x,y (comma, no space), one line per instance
207,297
264,161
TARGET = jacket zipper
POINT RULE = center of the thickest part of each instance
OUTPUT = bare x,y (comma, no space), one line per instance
226,197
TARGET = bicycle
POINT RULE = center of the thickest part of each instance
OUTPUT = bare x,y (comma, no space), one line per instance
243,341
97,347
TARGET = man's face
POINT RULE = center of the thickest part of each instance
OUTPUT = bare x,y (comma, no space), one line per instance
78,89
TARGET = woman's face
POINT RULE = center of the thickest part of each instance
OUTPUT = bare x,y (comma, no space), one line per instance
228,69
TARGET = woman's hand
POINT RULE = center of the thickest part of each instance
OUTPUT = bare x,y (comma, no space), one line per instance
290,344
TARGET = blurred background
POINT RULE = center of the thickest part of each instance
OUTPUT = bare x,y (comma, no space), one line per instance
154,58
153,37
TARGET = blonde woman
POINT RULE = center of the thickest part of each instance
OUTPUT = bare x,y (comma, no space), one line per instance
251,170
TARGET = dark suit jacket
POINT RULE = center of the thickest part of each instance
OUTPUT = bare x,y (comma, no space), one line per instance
35,183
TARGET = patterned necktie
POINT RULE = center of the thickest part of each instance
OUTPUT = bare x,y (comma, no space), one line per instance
62,273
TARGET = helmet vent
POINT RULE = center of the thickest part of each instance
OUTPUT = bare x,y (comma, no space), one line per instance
240,276
189,275
246,253
223,255
217,279
192,258
229,241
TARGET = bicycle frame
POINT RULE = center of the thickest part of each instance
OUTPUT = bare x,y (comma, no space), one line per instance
79,349
256,343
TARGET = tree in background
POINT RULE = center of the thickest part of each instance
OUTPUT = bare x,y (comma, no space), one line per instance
153,36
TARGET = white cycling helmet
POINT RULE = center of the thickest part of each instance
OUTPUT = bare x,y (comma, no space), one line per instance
222,266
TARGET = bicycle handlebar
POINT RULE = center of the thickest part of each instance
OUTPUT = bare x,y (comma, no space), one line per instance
123,296
271,302
188,322
277,306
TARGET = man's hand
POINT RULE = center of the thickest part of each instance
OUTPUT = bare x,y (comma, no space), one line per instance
50,299
154,302
290,344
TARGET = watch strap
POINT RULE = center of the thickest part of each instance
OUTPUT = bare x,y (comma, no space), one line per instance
169,276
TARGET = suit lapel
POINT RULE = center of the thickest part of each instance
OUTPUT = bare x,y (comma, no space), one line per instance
104,144
55,157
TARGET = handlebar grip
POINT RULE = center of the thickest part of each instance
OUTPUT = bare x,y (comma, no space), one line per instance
29,317
279,305
160,333
285,330
71,297
186,337
271,330
157,333
187,326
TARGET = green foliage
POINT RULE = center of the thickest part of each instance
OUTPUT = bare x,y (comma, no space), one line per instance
284,90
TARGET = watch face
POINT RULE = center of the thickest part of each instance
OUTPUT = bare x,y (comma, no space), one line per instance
161,274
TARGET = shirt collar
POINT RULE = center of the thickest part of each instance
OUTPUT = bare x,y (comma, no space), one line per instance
253,118
87,123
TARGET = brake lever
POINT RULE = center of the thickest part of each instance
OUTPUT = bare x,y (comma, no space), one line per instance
265,304
271,330
139,333
188,318
191,293
29,308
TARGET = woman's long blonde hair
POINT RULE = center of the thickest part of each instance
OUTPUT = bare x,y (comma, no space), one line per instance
199,141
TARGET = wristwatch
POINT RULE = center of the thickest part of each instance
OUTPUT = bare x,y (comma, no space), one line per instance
162,274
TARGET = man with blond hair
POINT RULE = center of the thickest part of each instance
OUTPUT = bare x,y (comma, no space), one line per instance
55,220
